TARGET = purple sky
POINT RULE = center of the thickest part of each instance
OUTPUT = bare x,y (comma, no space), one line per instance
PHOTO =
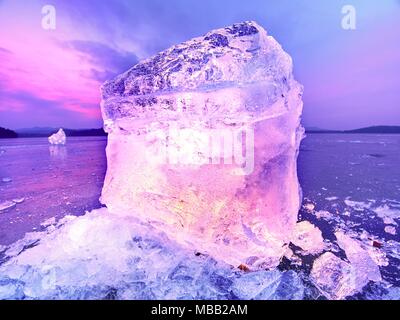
52,78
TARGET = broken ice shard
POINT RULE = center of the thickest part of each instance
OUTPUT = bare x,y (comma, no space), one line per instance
203,140
58,138
308,237
338,279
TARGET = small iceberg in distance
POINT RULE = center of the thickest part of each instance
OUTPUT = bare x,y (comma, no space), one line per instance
58,138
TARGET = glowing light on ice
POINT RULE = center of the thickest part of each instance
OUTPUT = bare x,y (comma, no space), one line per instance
236,200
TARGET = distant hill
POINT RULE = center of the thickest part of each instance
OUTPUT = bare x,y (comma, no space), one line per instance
377,129
47,131
319,130
85,132
7,133
373,129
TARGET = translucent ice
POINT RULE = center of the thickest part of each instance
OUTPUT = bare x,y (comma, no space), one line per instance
257,284
337,278
365,267
7,205
308,237
58,138
391,230
269,285
388,214
203,140
333,276
104,256
19,200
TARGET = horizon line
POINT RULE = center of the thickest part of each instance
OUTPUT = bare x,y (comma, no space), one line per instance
309,128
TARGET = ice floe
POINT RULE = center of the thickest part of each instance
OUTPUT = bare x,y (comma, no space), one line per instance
308,237
333,276
7,205
391,230
387,214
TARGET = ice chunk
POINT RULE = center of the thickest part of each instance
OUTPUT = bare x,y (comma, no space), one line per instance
323,214
338,279
378,256
10,290
357,205
290,287
19,200
392,248
365,267
333,276
309,206
387,214
393,294
58,138
257,284
10,203
331,198
391,230
308,237
269,285
203,140
105,256
49,222
7,205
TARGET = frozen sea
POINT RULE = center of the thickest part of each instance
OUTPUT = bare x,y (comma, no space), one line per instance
350,182
53,181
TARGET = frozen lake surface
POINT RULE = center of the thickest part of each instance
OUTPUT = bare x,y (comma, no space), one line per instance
53,181
350,182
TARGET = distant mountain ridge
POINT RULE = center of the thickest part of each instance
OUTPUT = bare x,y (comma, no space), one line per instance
47,131
372,129
7,133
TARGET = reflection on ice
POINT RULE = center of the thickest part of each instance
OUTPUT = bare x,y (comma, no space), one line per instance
58,152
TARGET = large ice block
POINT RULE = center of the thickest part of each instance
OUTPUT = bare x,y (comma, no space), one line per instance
203,141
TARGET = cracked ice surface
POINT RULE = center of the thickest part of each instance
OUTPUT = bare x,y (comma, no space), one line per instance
161,115
99,256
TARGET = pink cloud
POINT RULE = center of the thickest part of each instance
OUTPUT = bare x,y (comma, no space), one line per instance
35,63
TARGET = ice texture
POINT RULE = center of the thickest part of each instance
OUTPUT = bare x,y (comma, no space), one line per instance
391,230
339,279
268,285
236,200
365,267
105,256
333,276
58,138
7,205
309,238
